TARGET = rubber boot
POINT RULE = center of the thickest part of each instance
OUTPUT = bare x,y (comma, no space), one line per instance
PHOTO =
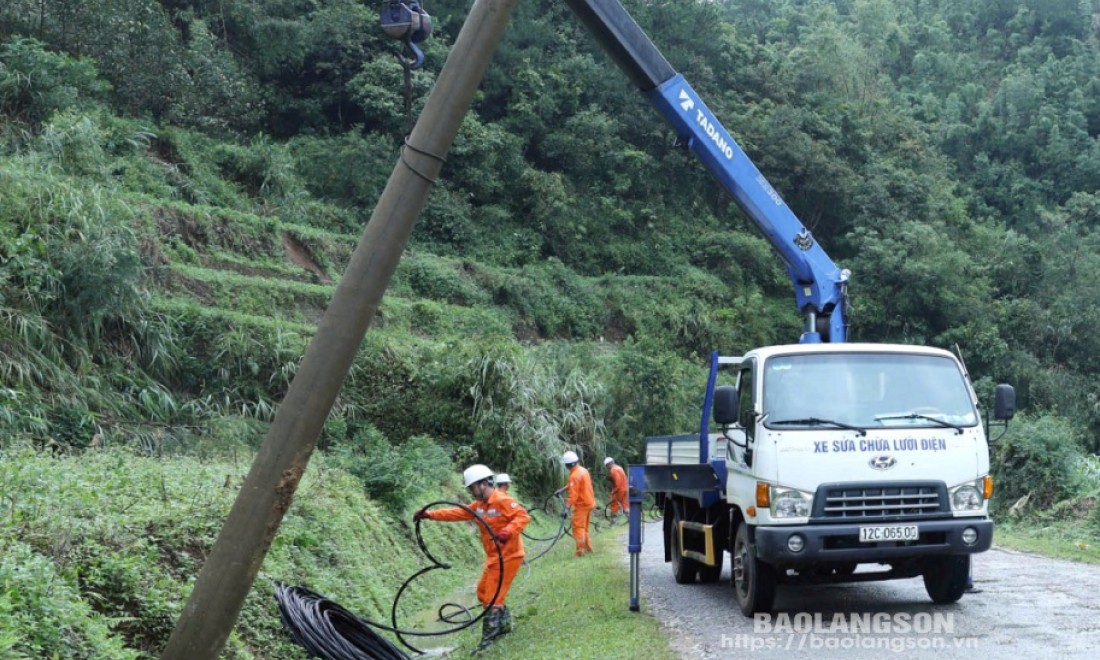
490,629
506,621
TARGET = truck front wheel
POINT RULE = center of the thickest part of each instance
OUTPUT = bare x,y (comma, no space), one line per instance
945,577
753,580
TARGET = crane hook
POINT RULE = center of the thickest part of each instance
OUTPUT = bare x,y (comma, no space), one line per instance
407,22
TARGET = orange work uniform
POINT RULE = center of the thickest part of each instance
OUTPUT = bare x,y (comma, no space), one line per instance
583,499
618,489
502,512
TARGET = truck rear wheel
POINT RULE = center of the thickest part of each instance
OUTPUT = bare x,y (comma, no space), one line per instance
945,577
753,580
684,569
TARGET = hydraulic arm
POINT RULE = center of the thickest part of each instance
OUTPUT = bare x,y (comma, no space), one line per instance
820,286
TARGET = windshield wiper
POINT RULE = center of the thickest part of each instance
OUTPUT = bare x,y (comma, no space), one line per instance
817,421
937,420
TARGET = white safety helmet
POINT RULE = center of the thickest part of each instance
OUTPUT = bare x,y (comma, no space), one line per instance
608,461
570,457
474,474
502,478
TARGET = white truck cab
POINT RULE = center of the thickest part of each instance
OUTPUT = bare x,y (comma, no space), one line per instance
830,456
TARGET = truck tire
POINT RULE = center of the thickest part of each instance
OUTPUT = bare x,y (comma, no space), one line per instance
753,580
684,569
711,574
945,577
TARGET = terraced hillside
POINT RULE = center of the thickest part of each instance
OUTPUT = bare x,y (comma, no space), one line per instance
451,342
259,272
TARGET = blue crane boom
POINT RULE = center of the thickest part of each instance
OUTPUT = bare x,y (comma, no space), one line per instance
820,286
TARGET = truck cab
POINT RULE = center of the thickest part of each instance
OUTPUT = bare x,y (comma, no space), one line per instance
838,455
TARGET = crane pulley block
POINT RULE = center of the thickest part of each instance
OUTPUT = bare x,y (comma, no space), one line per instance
407,22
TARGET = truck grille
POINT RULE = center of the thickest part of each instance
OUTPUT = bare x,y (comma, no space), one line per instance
867,501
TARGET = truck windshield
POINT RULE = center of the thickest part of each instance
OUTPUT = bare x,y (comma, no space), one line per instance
866,390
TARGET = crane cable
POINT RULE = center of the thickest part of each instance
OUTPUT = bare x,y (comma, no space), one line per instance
409,22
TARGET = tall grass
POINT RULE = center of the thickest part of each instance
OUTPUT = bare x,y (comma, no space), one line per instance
528,412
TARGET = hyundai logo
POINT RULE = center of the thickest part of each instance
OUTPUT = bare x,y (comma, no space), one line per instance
883,462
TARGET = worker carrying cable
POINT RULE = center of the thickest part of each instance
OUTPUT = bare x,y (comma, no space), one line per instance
617,475
581,498
507,519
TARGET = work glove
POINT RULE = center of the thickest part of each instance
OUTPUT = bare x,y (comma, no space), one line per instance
503,535
423,513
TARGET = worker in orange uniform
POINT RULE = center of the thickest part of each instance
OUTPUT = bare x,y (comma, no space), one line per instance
581,498
619,501
507,519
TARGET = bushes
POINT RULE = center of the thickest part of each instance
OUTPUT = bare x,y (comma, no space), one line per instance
1039,457
42,615
349,170
393,475
35,83
168,66
553,300
650,391
437,279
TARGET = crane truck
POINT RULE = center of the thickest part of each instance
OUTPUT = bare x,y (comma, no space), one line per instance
827,461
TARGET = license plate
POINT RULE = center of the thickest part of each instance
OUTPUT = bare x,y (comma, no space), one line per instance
888,533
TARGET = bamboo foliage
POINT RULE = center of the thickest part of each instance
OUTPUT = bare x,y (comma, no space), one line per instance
528,412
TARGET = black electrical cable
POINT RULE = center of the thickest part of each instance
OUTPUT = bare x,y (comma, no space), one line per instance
328,631
562,527
548,508
451,613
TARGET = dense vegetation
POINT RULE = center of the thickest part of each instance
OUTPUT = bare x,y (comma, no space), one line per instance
181,181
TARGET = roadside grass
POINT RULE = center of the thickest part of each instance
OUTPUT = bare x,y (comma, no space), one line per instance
1073,540
567,607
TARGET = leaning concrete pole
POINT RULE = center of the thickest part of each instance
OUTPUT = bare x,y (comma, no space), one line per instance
227,576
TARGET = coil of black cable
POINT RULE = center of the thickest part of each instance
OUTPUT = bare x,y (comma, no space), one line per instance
327,630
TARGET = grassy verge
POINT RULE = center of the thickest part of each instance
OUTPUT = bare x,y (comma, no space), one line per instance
566,607
1061,540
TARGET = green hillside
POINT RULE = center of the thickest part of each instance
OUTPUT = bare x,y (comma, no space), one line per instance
182,183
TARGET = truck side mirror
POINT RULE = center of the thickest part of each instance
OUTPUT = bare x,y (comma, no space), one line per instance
725,405
1004,402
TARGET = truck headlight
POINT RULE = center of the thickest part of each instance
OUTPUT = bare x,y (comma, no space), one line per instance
967,497
789,503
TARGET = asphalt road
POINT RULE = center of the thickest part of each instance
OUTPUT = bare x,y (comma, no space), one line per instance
1022,606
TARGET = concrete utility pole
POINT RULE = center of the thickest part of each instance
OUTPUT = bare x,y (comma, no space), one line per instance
229,571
